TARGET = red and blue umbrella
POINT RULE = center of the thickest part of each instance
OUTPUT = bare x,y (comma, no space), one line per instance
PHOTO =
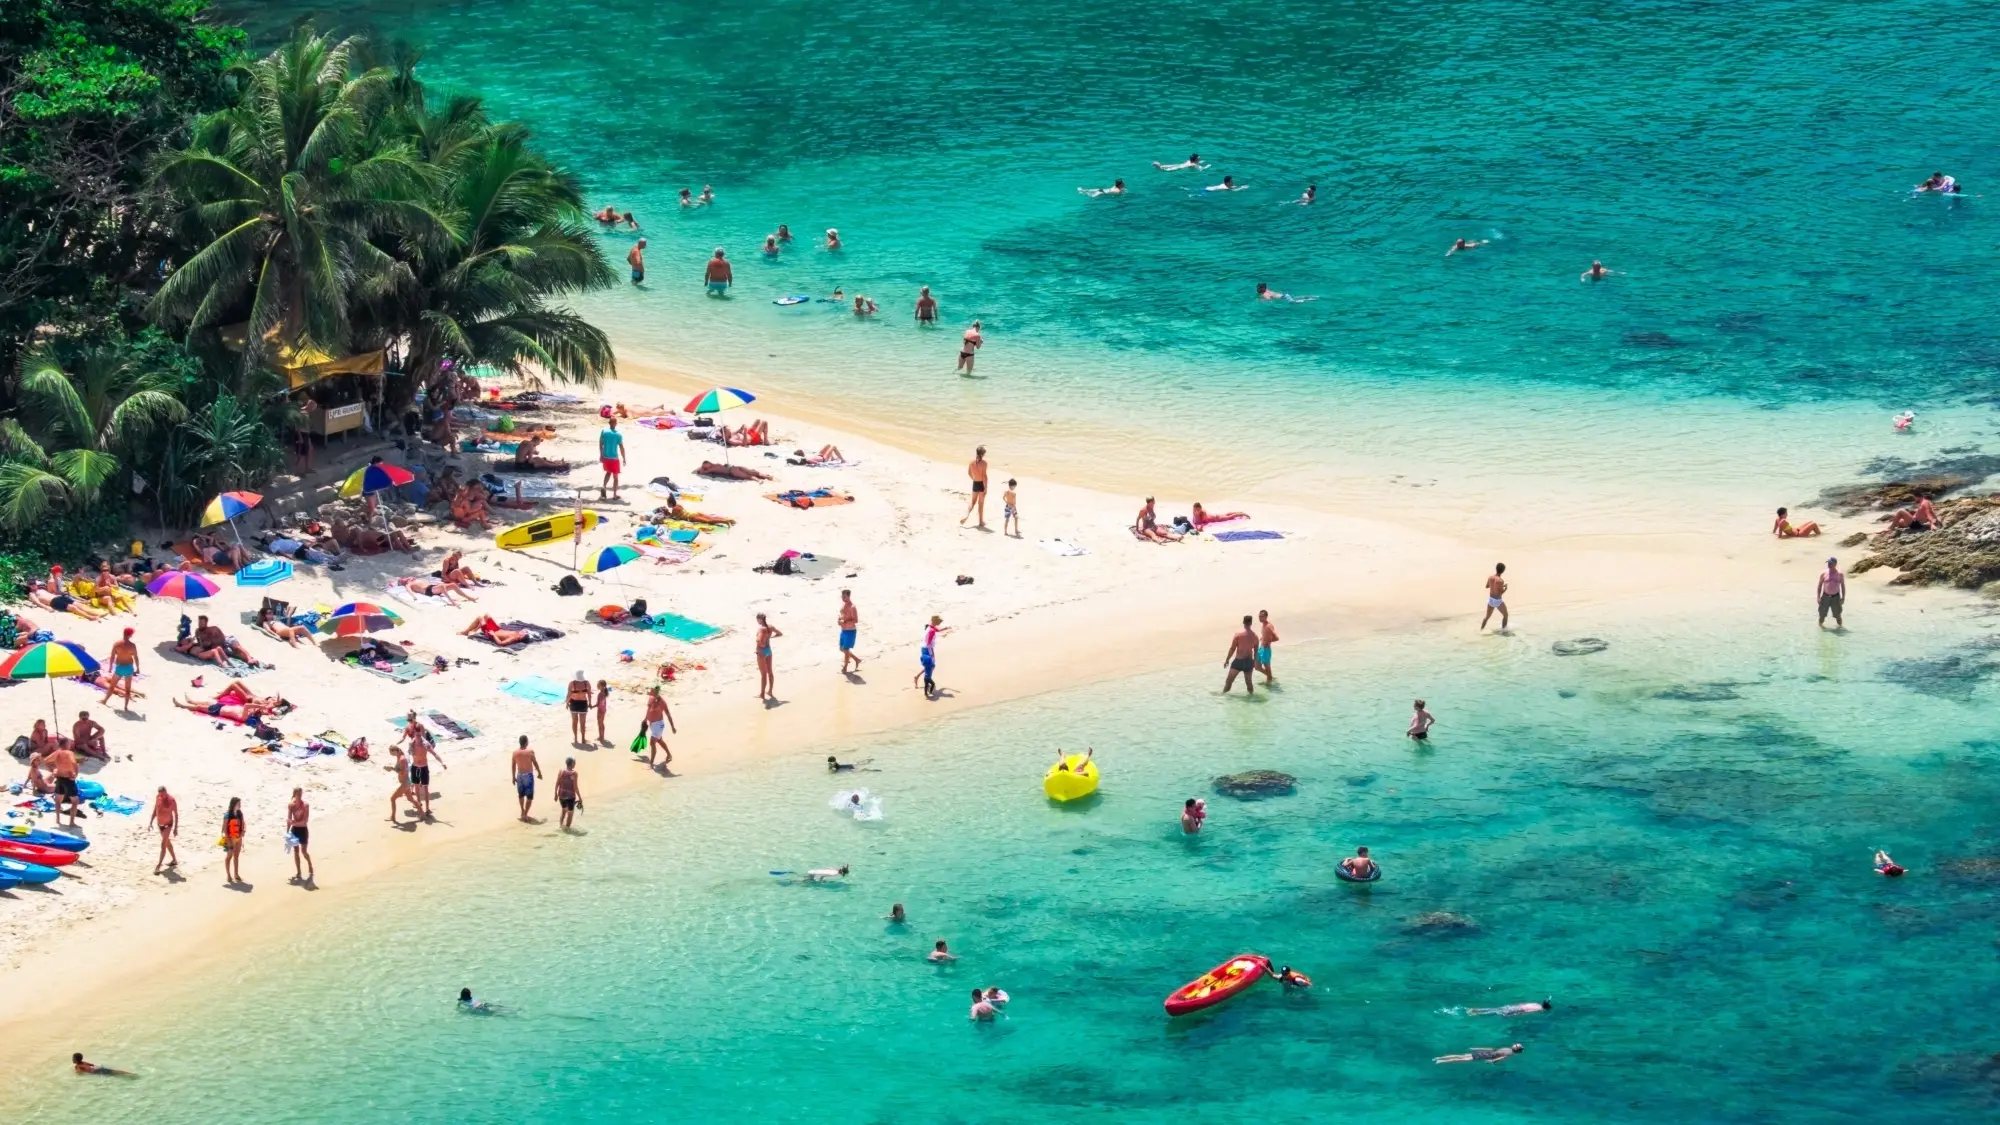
52,661
228,506
183,584
374,478
719,398
356,618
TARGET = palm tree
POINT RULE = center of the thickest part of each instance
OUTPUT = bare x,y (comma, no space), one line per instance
103,411
283,194
224,445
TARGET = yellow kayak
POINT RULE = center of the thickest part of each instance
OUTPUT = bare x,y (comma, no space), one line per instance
1078,780
548,529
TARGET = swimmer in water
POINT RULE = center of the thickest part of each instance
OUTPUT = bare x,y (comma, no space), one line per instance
1312,193
1193,161
1421,722
1513,1009
784,233
1228,184
1192,814
1886,866
863,306
1483,1054
1464,244
687,198
996,996
1596,272
607,216
896,914
771,245
826,874
630,222
833,765
939,954
466,1001
839,297
832,239
1266,293
1291,978
1359,865
982,1009
85,1066
707,195
1940,183
1117,188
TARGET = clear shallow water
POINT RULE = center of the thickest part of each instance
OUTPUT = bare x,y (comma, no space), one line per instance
1745,166
1670,838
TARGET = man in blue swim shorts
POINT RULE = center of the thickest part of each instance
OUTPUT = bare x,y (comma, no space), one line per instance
850,619
719,274
636,258
526,769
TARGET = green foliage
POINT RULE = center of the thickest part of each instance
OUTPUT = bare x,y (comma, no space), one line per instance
99,528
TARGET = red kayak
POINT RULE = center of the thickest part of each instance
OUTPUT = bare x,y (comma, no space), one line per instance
1218,984
35,853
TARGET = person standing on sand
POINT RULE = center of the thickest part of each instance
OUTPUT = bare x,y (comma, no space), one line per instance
1267,635
167,818
579,709
970,344
525,769
926,306
1242,659
1010,516
927,655
1420,722
296,815
1832,594
850,623
232,843
603,705
62,765
718,275
568,794
636,258
404,790
658,720
611,456
421,750
977,471
767,680
1496,597
124,665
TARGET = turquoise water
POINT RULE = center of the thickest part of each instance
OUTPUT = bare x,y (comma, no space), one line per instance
1670,838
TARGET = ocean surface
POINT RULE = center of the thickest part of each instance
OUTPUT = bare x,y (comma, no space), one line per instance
1670,839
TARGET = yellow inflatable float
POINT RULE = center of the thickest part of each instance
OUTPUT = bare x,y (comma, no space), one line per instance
1073,776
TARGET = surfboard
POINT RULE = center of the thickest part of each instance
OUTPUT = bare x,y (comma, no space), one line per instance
549,529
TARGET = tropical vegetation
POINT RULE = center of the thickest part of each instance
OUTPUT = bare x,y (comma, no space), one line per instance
180,221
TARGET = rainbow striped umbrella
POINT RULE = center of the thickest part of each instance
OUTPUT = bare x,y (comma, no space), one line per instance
618,554
183,584
228,506
356,618
52,661
375,478
719,398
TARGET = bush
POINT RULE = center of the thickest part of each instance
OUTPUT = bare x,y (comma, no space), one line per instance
64,540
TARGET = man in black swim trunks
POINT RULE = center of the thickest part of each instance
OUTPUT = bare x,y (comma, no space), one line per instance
1242,657
977,471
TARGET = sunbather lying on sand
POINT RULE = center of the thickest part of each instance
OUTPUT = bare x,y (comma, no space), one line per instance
490,629
431,587
730,472
829,455
277,627
1203,519
756,433
525,457
368,541
319,550
237,703
674,511
217,553
61,602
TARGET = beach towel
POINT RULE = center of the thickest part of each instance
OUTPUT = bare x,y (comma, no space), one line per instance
676,627
534,689
1241,536
666,423
185,549
536,633
264,572
452,727
123,806
532,488
817,498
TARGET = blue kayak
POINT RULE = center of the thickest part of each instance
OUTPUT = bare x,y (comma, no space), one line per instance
27,872
8,882
62,840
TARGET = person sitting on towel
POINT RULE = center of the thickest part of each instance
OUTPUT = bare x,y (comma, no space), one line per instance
525,458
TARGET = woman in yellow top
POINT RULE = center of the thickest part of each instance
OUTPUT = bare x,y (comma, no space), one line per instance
1784,528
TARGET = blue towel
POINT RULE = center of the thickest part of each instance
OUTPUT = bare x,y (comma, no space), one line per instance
682,628
1239,536
534,689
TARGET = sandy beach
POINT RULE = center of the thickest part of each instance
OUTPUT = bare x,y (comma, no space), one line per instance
1031,620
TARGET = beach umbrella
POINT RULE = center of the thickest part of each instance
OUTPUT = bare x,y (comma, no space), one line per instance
618,554
356,618
375,478
719,398
52,661
227,507
183,584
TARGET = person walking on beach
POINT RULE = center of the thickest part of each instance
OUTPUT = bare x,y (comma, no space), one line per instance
404,790
658,720
579,709
970,344
1010,516
525,769
296,815
1242,659
611,456
232,843
850,623
1420,722
1496,597
767,680
977,471
926,306
603,705
1832,594
568,794
927,655
1267,635
167,818
124,665
718,275
636,258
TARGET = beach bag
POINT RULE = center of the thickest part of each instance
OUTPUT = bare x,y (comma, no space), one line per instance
569,586
783,565
21,748
638,608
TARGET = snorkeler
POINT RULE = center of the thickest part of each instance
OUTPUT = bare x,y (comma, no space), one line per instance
1596,272
1193,161
1482,1054
1463,244
1513,1009
1228,184
1266,293
833,765
826,874
1886,866
1117,188
1292,978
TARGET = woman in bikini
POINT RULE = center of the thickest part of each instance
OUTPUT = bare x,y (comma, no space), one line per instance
490,629
1784,528
579,709
269,622
1203,519
431,587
